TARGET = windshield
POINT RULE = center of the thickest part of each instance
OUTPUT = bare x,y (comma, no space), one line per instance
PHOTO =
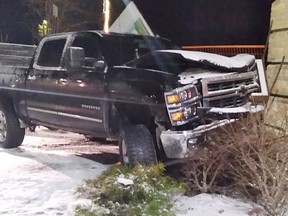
119,49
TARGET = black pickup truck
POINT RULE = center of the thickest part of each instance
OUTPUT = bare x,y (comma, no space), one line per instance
144,91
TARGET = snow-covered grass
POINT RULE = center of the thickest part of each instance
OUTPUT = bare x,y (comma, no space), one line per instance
141,190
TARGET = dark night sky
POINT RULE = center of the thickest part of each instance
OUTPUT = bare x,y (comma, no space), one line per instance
208,22
191,22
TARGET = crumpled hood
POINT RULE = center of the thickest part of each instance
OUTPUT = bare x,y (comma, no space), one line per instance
240,62
188,77
231,65
203,65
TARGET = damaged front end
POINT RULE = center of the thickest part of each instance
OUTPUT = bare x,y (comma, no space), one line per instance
205,104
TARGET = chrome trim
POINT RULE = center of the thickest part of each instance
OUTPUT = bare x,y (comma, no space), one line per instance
262,81
176,143
80,117
41,110
235,87
39,48
65,114
253,86
47,68
237,76
225,78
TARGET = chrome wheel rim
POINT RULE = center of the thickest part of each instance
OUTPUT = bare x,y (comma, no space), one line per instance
125,153
3,127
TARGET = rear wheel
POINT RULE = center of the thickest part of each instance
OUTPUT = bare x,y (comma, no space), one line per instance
11,135
136,146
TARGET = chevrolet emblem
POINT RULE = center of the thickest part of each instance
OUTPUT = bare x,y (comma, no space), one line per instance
243,90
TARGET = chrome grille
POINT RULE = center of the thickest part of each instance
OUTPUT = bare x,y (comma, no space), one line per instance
231,90
228,102
229,84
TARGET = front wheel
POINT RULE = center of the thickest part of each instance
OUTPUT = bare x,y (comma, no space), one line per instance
136,146
11,135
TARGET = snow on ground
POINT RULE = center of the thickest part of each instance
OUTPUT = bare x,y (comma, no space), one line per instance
41,182
211,205
36,182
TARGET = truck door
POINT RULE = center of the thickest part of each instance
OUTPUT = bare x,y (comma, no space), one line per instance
82,92
42,81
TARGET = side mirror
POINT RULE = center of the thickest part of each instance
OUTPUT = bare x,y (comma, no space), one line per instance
100,64
94,63
75,58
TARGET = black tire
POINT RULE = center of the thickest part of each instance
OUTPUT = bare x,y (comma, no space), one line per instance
136,146
11,135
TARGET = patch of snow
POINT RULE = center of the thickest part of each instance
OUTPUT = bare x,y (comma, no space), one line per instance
243,109
193,75
212,205
125,181
35,182
238,61
213,125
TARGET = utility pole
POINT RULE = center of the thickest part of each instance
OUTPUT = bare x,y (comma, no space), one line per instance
55,18
106,11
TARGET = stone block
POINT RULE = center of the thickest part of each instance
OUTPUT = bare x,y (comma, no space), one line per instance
277,112
278,46
279,14
281,85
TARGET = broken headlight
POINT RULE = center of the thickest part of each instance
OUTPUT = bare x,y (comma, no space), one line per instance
182,104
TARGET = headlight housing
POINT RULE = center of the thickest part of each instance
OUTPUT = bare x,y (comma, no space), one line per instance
181,95
182,104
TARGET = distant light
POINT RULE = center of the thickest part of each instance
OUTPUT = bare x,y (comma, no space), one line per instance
106,11
43,28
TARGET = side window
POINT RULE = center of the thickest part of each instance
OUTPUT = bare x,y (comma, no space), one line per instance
91,49
51,52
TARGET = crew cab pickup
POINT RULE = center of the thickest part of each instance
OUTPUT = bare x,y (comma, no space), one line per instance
144,91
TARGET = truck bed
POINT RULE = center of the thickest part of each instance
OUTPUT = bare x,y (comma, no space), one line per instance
16,55
14,60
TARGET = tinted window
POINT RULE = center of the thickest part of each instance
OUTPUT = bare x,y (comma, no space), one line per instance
119,49
89,44
51,53
91,50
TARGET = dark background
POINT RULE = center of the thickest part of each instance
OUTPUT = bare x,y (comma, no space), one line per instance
186,22
209,22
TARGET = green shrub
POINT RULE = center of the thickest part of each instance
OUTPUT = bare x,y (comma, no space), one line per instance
150,194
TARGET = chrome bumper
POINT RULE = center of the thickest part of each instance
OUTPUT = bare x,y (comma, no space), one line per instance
178,144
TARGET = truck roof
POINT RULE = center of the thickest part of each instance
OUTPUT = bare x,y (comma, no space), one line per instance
100,33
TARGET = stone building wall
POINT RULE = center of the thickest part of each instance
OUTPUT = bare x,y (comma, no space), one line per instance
278,48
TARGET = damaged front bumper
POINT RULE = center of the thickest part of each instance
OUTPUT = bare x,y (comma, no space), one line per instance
178,144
